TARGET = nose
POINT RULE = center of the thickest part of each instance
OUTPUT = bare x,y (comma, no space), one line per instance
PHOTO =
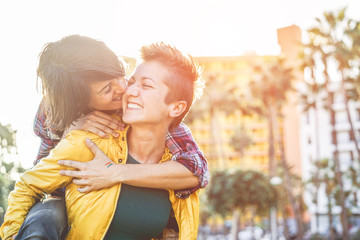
121,85
132,90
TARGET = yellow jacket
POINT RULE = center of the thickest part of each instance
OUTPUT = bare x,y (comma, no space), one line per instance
89,215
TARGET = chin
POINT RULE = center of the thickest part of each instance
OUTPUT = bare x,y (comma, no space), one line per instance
129,120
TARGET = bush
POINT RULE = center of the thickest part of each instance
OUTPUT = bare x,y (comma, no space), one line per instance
317,236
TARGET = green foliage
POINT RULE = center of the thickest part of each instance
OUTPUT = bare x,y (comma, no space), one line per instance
334,41
214,100
240,140
218,194
356,236
334,38
7,145
270,85
7,137
239,190
317,236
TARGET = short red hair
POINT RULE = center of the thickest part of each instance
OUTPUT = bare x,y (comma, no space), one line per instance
185,81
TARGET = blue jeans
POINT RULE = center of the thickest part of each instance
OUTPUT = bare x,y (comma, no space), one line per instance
46,220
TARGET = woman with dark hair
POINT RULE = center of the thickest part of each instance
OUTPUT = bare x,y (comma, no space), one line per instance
80,75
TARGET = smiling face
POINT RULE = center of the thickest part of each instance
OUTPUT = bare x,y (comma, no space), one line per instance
144,100
106,95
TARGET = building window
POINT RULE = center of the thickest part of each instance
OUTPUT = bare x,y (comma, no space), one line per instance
308,118
341,117
339,98
343,137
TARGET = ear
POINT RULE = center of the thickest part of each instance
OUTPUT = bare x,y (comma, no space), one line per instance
177,108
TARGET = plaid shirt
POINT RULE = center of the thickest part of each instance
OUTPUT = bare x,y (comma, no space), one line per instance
179,141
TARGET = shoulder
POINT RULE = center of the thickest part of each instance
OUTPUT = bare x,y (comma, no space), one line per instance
181,129
77,138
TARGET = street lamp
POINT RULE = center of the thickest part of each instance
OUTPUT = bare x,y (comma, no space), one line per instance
274,181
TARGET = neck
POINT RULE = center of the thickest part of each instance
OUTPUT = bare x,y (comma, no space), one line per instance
147,145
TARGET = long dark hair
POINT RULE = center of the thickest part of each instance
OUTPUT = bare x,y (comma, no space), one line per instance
64,67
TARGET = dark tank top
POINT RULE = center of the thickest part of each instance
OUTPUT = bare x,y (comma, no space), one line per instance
141,213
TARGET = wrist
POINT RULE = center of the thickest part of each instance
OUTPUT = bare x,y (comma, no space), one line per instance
117,174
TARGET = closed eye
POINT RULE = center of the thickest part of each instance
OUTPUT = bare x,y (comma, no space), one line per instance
147,85
106,89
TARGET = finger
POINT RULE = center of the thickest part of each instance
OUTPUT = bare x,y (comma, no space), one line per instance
74,164
115,134
97,129
93,147
69,173
101,130
106,120
105,130
121,127
81,182
84,189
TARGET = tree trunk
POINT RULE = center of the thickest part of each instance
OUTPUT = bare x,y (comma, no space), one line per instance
343,214
352,129
317,217
286,227
272,160
287,184
355,198
338,174
216,140
330,218
317,171
235,225
293,201
253,213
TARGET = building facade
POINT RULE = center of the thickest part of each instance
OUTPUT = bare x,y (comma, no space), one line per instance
238,71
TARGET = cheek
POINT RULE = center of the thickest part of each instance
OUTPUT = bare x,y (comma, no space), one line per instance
92,101
99,102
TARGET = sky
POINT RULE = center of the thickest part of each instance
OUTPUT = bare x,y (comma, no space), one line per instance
199,27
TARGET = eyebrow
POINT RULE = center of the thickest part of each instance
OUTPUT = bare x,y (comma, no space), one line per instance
105,87
142,79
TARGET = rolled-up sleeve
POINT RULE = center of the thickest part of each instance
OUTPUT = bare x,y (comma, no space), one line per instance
48,139
185,151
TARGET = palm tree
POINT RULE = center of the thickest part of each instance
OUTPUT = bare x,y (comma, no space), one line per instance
269,93
328,168
330,41
310,98
212,104
241,140
270,89
338,173
344,56
340,40
353,33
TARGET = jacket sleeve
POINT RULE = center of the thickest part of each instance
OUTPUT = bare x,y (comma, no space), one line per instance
185,151
42,178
